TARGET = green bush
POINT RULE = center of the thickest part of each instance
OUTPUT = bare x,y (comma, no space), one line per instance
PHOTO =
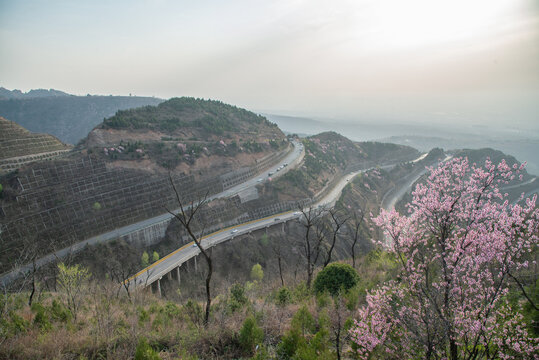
145,352
238,299
284,296
145,259
143,315
264,240
301,292
18,324
59,311
42,318
194,311
257,274
323,299
289,344
171,310
250,334
336,277
303,321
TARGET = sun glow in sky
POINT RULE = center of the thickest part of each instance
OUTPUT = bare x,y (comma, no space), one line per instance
347,58
412,23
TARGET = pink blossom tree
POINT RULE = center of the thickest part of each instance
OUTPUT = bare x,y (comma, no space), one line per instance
461,248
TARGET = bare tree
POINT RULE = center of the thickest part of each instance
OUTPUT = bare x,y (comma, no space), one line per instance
313,238
276,247
338,315
337,221
356,226
187,216
121,272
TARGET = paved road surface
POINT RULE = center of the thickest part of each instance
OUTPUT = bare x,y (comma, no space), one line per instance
167,264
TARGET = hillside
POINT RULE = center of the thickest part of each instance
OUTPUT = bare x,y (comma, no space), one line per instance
203,137
19,146
50,205
329,155
65,116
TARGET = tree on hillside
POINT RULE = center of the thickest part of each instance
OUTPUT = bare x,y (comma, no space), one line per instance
145,259
188,216
257,274
336,278
313,239
72,281
460,250
338,219
354,231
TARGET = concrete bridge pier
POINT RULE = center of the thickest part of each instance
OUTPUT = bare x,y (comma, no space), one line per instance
178,275
195,263
159,286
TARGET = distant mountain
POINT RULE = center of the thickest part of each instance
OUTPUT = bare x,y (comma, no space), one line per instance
17,94
68,117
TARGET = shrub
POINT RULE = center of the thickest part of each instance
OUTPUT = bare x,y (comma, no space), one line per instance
301,292
144,351
143,315
289,344
257,274
145,259
237,297
194,311
264,240
41,319
284,296
336,277
18,324
303,321
59,312
171,310
250,334
71,281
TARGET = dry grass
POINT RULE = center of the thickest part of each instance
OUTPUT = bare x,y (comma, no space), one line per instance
110,325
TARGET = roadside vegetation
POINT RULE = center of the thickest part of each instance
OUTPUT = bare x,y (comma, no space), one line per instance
254,319
466,289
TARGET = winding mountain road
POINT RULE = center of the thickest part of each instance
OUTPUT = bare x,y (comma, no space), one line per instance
293,158
167,264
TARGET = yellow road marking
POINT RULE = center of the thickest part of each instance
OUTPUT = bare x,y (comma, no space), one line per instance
202,238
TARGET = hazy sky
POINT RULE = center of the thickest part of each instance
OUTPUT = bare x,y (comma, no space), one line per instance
428,60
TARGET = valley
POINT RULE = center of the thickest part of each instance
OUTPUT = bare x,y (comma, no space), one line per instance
108,202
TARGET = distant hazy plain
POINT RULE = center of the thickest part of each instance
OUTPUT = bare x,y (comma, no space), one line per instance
521,143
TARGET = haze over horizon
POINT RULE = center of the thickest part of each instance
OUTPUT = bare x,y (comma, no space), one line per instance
417,61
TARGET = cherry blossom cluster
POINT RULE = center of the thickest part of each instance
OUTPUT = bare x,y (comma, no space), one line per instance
460,249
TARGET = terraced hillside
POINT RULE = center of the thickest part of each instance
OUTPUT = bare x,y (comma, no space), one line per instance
19,146
107,184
